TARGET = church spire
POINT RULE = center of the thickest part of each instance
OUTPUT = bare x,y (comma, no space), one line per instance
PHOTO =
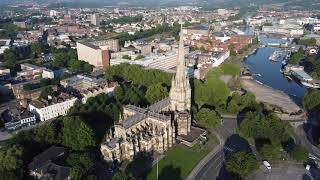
180,78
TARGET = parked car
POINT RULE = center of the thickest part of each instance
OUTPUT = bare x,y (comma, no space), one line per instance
267,164
311,156
308,167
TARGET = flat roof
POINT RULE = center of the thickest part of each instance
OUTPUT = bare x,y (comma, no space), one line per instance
302,74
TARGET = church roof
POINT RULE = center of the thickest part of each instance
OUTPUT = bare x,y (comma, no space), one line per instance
142,113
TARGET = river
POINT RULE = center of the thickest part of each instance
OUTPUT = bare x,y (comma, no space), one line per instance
259,64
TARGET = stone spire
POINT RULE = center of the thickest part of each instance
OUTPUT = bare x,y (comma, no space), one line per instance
180,78
180,93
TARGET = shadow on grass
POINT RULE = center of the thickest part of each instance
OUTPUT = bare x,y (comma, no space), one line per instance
170,173
141,165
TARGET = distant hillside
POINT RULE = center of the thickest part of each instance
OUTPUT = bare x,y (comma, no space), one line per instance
306,4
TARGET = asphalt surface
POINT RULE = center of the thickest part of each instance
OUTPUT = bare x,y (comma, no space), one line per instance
214,168
288,173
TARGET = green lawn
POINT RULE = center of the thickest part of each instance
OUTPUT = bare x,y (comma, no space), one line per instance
227,68
230,68
178,162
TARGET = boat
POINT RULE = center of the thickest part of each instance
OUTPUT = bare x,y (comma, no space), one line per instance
275,56
310,85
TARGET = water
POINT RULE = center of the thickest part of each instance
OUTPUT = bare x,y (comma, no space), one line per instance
259,63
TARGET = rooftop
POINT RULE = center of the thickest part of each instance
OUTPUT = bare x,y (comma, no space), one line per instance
62,97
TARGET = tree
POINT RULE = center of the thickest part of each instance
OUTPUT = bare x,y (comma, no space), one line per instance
270,152
296,56
207,118
156,92
311,100
242,163
258,125
10,158
76,134
45,92
232,50
81,163
299,153
45,134
120,175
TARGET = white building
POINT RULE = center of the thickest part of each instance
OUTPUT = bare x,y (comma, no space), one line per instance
54,107
53,13
4,44
95,19
93,92
220,58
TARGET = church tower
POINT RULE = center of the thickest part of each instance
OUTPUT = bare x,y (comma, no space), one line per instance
180,93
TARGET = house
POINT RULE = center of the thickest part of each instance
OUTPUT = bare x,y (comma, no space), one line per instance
17,117
52,107
46,165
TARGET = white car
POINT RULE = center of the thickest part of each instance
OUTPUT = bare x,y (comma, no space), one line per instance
308,167
311,156
267,164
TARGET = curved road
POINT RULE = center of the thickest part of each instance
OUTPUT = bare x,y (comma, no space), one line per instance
210,166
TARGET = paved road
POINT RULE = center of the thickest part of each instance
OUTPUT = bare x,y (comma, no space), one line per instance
284,173
212,166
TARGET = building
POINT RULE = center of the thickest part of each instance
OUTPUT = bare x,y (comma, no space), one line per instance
95,19
53,107
158,127
196,32
53,13
94,91
82,82
108,44
17,118
20,93
46,165
20,24
4,44
291,30
220,57
93,54
31,72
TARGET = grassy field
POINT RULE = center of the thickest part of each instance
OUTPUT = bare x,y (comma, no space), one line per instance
178,162
227,68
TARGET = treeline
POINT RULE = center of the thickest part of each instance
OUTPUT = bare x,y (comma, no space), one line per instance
125,20
296,56
13,55
306,42
138,75
67,57
9,31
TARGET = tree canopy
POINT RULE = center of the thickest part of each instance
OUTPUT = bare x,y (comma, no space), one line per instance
10,158
270,152
296,56
311,100
76,134
137,74
299,153
242,163
120,175
207,118
82,165
264,126
156,92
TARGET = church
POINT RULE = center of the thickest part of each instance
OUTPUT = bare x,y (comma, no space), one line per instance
157,127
